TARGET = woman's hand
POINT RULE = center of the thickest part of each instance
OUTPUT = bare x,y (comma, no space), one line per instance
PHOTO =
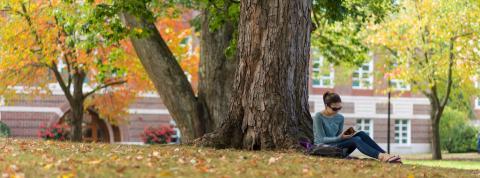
344,137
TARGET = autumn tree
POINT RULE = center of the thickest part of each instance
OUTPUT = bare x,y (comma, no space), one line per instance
197,113
44,42
434,45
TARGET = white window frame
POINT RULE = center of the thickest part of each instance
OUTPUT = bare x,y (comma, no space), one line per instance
360,78
400,137
321,62
362,125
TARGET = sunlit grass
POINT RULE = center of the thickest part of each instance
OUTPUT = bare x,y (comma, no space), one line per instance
36,158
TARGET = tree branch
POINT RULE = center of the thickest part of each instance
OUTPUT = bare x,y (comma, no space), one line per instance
102,87
450,71
60,80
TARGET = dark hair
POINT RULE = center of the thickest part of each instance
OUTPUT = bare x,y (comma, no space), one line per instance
330,98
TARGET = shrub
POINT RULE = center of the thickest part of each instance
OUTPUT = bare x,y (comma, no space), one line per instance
457,134
4,130
53,132
158,135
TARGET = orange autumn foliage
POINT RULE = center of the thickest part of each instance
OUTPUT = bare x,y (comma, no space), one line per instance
34,44
182,41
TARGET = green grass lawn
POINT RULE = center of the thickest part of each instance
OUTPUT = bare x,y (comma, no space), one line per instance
457,164
469,161
35,158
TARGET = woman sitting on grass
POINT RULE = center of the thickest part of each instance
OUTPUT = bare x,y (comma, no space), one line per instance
328,126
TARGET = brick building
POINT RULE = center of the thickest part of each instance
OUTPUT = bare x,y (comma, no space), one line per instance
25,113
365,106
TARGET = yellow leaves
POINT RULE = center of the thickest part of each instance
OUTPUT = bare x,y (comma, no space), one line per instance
67,175
410,175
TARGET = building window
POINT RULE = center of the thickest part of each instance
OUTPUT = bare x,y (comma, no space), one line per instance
365,125
402,131
322,73
363,77
399,85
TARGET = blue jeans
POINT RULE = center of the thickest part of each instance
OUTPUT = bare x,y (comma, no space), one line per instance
363,142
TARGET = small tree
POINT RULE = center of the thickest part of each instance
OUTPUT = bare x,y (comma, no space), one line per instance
458,135
44,42
435,46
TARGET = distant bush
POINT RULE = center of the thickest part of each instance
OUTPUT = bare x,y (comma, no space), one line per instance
4,130
457,134
53,132
158,135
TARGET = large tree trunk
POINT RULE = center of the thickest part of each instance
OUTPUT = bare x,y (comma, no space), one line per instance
76,120
216,71
76,106
169,79
269,105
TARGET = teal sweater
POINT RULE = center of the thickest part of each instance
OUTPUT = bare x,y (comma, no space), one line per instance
327,129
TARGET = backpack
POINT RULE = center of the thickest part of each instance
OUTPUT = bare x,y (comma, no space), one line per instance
323,150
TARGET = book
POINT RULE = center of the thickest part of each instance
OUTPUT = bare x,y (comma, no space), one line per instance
350,131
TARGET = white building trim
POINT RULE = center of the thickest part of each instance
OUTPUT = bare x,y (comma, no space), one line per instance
59,112
414,148
147,111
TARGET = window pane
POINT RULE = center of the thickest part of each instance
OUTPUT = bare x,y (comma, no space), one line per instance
367,121
316,65
356,75
404,140
316,82
367,83
356,83
365,75
405,122
366,67
326,82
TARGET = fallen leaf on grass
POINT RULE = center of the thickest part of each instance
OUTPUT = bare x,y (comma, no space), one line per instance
95,162
68,175
121,169
165,174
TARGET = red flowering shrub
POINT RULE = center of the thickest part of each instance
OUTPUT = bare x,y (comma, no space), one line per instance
158,135
53,132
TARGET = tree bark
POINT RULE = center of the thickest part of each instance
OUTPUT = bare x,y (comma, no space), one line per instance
269,105
169,79
435,115
76,104
436,147
76,120
217,71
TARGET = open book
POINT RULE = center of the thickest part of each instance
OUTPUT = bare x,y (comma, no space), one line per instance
350,131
